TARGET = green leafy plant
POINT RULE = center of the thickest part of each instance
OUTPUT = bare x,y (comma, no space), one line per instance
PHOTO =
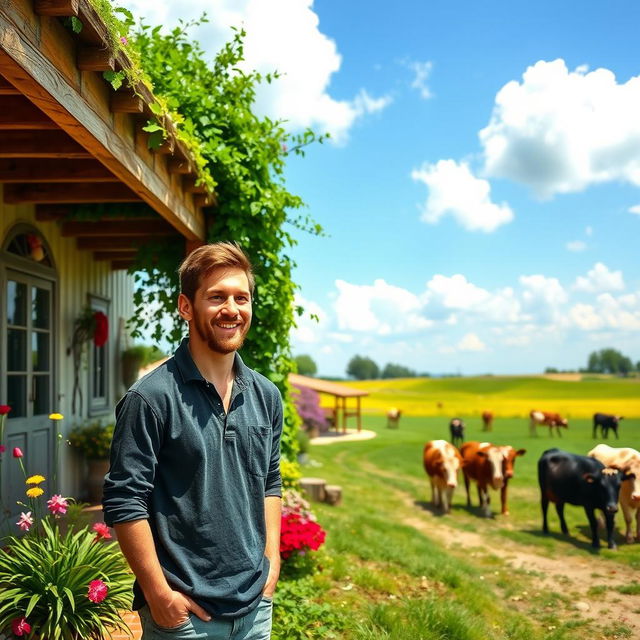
92,440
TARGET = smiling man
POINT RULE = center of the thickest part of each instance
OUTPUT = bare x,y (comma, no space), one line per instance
194,485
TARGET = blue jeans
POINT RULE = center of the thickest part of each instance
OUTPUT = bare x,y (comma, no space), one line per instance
254,626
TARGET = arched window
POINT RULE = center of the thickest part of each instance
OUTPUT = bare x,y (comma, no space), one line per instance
31,245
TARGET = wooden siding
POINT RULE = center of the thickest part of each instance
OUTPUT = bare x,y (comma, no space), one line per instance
78,277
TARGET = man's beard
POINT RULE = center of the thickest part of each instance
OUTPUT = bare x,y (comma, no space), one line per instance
223,347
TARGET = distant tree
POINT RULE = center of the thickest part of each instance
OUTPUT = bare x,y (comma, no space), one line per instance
362,368
609,361
551,370
306,365
397,371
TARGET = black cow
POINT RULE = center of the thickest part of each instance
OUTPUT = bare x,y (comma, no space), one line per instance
582,481
606,421
456,429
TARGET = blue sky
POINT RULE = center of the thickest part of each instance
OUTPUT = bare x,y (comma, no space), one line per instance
480,193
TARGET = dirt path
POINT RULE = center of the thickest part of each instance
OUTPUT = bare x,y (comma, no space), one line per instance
571,576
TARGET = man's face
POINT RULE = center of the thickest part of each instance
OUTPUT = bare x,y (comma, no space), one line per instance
221,311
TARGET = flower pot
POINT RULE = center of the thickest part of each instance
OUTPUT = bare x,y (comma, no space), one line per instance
95,479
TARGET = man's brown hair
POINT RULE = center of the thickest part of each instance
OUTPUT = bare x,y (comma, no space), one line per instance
201,262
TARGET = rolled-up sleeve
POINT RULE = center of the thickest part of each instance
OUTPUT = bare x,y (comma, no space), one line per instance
273,486
134,455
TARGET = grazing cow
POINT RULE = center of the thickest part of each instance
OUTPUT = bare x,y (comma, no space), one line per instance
582,481
547,419
442,462
489,466
393,418
456,429
487,420
606,421
626,460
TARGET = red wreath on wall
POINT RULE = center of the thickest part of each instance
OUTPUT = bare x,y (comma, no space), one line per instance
101,330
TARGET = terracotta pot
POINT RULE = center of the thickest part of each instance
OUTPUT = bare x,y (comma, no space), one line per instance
95,479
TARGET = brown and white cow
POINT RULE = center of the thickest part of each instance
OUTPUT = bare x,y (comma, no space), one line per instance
548,420
442,462
487,420
626,460
490,466
393,418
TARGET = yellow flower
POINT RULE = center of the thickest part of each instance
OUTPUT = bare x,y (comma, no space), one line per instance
56,416
34,492
35,479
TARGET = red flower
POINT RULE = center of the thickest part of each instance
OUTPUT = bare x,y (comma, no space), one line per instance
299,534
20,626
2,448
4,409
101,333
102,531
17,452
97,591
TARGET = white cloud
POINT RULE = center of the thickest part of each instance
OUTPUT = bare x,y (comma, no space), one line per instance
422,72
380,309
559,131
471,342
455,191
635,209
541,289
621,313
576,246
600,278
283,36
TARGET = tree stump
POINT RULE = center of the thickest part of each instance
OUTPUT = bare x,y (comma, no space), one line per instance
314,488
333,494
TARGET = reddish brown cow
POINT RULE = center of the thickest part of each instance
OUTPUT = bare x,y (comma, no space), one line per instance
548,420
442,462
487,420
489,466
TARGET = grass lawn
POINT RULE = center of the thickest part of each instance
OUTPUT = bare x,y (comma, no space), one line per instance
393,570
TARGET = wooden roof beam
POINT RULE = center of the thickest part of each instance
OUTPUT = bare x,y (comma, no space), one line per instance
118,265
70,193
95,59
60,8
124,254
44,144
7,89
16,112
109,243
54,212
126,101
144,228
62,170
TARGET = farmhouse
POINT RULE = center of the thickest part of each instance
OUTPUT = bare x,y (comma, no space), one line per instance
80,191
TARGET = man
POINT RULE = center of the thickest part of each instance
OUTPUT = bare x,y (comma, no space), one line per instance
194,485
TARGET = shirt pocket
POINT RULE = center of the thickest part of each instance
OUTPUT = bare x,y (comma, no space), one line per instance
259,449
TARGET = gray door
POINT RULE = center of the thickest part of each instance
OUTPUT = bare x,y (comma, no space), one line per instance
27,328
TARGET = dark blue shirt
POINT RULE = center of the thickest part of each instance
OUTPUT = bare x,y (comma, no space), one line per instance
200,477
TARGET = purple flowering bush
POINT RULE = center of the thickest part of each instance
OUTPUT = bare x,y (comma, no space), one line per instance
307,403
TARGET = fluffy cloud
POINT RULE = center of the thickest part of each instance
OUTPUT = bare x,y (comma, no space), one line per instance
380,309
559,131
422,71
635,209
600,278
471,342
283,36
455,191
622,313
311,324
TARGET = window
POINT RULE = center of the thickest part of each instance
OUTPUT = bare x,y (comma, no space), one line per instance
98,365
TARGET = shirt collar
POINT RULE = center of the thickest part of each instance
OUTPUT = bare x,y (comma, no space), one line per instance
190,372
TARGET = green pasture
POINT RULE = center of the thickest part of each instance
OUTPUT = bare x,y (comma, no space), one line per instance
387,580
505,396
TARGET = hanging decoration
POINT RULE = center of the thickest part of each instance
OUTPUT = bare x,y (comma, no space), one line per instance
89,325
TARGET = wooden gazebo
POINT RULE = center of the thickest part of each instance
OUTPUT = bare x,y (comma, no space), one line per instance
67,138
340,393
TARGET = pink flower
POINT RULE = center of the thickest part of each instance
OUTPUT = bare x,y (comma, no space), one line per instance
57,505
2,448
102,531
97,591
124,40
20,626
17,452
25,521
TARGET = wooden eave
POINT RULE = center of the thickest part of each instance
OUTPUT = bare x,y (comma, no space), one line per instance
66,137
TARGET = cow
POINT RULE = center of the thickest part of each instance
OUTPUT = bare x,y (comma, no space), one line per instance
626,460
581,481
606,421
548,419
487,420
456,429
441,462
489,466
393,418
